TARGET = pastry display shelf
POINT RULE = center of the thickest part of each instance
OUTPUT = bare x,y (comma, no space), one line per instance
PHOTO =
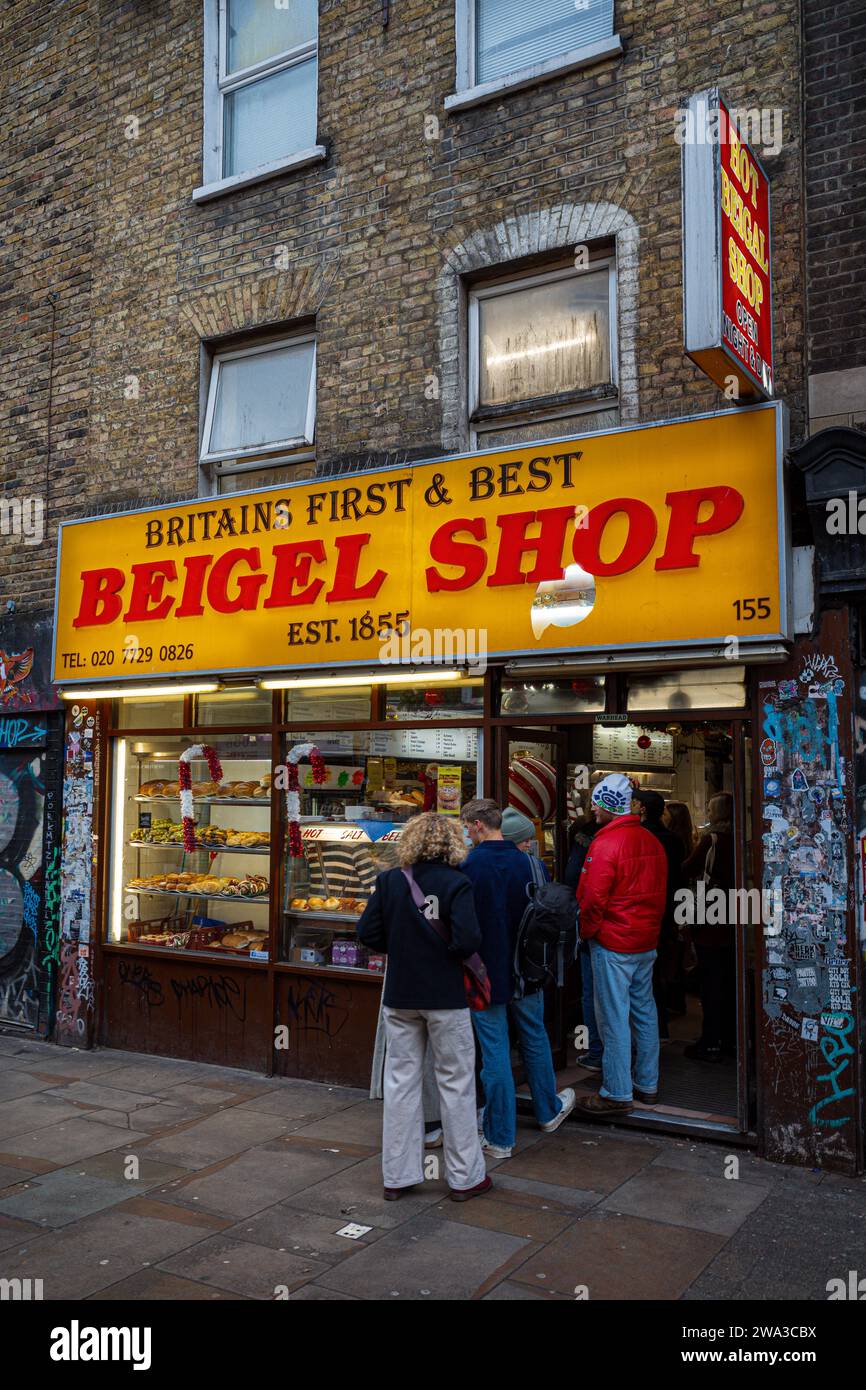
208,800
199,849
324,921
191,893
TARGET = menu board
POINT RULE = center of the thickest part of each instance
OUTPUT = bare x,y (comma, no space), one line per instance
619,744
460,744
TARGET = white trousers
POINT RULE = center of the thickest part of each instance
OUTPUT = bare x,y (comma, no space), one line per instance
452,1044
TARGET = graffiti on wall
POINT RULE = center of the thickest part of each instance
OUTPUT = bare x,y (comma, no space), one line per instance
75,986
22,795
807,980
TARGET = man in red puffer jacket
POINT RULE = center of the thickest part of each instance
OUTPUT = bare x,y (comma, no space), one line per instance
621,895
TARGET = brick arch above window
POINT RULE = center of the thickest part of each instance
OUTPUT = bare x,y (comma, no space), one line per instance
554,229
256,302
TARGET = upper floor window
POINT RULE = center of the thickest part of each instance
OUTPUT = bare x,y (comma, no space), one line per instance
541,348
505,44
261,89
260,418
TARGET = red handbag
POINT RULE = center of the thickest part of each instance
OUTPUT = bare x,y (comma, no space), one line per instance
476,981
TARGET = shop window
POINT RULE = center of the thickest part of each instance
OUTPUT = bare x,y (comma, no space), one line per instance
460,699
238,706
574,695
715,688
260,416
503,44
261,90
213,898
542,351
375,781
332,702
149,712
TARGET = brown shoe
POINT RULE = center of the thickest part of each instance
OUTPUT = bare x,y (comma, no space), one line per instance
646,1097
595,1107
466,1193
392,1194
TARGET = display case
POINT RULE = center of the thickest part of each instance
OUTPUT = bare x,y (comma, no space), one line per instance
214,898
374,781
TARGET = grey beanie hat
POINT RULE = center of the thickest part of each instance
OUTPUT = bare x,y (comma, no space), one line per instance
516,827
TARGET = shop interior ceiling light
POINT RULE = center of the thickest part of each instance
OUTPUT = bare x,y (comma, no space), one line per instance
132,692
422,677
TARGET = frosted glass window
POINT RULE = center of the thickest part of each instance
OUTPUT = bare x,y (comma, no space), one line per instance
715,688
544,339
258,30
510,37
262,398
270,119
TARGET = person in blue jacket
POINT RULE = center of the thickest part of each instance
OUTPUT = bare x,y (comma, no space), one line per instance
500,873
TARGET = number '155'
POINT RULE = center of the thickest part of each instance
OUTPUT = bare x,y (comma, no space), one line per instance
749,608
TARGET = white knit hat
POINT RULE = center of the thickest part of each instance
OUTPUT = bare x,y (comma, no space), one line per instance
614,793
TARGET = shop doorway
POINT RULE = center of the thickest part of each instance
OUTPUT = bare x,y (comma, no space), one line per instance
704,978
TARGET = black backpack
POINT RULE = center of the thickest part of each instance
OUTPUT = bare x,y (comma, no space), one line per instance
547,936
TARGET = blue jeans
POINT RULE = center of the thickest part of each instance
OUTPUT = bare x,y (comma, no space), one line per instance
491,1030
625,1009
594,1047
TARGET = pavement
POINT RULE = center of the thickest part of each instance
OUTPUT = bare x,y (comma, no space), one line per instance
128,1176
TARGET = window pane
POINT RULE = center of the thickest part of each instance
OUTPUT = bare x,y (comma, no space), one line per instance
270,119
512,36
240,706
575,695
262,398
149,712
457,700
544,340
348,702
259,29
675,690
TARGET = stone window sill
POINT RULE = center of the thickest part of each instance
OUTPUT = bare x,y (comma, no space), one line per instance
527,77
301,160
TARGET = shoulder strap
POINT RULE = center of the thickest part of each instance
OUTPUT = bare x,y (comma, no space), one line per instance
421,903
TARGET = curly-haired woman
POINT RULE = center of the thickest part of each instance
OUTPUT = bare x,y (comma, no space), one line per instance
425,998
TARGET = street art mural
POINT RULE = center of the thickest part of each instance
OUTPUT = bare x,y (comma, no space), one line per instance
22,803
75,988
808,981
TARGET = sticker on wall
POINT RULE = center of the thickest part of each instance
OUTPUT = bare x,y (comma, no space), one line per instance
798,780
809,1029
768,752
788,690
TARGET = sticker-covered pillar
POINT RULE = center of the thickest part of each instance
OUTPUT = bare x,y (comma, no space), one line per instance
808,1010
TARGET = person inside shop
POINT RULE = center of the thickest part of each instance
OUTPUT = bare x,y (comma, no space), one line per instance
500,874
621,898
678,819
652,807
425,1002
580,833
715,943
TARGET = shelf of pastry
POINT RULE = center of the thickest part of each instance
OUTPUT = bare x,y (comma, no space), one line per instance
207,800
327,921
153,891
199,848
345,913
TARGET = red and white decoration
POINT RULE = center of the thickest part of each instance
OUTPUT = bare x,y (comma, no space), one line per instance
184,777
532,787
293,798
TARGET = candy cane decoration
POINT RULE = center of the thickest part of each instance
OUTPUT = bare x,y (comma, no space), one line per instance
214,767
293,798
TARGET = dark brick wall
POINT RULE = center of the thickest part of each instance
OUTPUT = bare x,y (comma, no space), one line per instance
142,274
835,153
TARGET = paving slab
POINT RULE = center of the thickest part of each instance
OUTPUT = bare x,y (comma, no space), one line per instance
73,1139
506,1292
495,1213
32,1112
14,1083
115,1164
59,1198
151,1074
621,1257
314,1293
361,1123
162,1116
241,1267
100,1094
426,1258
356,1194
558,1198
303,1233
714,1161
567,1159
96,1252
299,1100
204,1097
687,1199
217,1136
154,1285
13,1233
258,1178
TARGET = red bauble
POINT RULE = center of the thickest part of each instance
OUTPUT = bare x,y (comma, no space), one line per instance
644,741
433,697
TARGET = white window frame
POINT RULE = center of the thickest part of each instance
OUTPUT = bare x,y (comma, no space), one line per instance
522,408
218,85
469,92
262,455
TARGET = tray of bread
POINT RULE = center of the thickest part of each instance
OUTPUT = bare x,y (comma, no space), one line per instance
202,885
255,791
216,838
331,907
